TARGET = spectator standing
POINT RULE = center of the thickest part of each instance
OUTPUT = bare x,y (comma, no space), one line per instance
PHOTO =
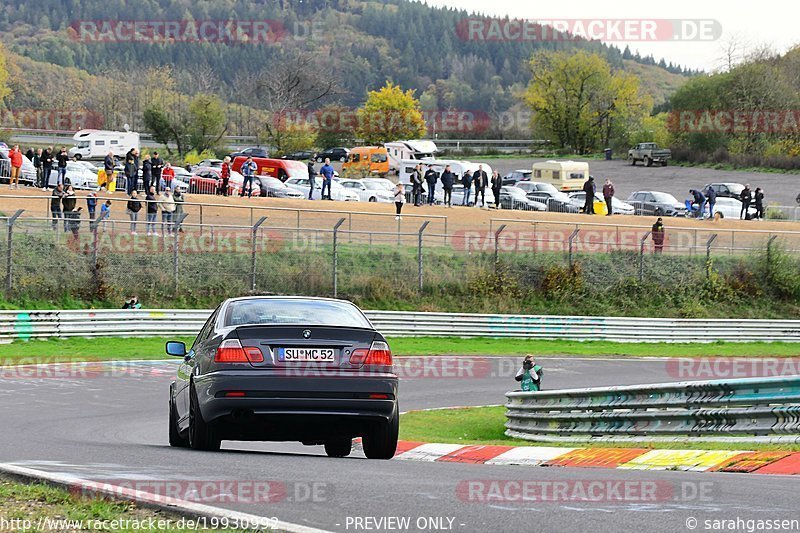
589,191
55,204
156,169
481,180
416,185
61,162
248,170
131,171
699,199
657,232
758,197
327,178
37,164
105,212
108,171
608,196
167,204
147,173
47,167
177,195
399,199
225,176
167,175
72,223
91,204
466,181
746,197
448,179
30,154
133,208
312,175
431,177
497,185
530,375
711,200
152,211
15,155
68,202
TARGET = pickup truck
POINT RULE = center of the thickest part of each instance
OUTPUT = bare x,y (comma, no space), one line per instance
649,153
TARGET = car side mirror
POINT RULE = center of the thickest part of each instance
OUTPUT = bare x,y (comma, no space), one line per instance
176,348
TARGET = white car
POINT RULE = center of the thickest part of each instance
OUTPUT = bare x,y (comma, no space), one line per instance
730,208
368,191
337,191
78,175
578,199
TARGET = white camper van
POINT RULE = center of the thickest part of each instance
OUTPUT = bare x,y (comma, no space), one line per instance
400,150
563,175
95,144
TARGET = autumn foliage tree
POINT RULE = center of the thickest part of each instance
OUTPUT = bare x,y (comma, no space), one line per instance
389,114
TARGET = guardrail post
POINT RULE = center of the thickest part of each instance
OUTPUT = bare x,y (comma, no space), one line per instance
571,239
336,257
708,254
641,254
9,248
419,252
497,246
253,253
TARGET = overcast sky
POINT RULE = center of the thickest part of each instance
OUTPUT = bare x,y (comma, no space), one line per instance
755,24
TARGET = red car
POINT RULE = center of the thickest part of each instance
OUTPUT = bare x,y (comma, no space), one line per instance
206,180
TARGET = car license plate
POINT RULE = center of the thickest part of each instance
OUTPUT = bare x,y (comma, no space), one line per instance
317,355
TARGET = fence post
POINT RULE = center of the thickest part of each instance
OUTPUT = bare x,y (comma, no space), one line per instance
175,244
253,253
708,254
769,254
497,246
93,226
419,252
571,239
336,257
201,220
9,248
641,255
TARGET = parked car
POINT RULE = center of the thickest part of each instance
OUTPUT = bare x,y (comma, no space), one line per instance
337,191
301,155
214,163
458,194
334,154
546,193
649,153
725,190
655,203
275,188
206,180
514,198
255,151
282,169
618,206
727,208
368,191
77,175
27,171
364,161
516,176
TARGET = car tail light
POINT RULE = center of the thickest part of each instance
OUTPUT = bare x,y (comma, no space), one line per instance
231,351
378,354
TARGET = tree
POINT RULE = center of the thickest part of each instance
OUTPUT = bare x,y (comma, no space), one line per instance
4,76
390,114
207,124
576,98
164,130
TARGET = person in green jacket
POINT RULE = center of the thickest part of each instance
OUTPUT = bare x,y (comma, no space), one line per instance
530,375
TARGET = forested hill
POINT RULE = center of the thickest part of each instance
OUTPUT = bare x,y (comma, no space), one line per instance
363,43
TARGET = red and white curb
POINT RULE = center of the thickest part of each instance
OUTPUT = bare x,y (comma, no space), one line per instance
764,462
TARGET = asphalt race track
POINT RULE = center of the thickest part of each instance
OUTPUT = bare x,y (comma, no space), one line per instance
111,423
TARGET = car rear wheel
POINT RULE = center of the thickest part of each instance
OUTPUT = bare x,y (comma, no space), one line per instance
78,157
202,435
658,212
381,441
338,447
175,438
373,199
648,162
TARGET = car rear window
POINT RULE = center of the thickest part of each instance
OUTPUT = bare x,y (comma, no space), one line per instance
269,311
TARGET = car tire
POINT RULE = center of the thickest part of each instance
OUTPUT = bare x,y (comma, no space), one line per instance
342,159
78,157
373,199
718,216
319,160
381,441
648,162
658,212
175,438
632,161
338,447
663,163
202,436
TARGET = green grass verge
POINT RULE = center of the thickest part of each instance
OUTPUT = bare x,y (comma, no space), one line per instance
485,425
37,502
113,348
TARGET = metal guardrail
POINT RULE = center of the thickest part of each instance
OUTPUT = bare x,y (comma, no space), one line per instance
166,322
732,408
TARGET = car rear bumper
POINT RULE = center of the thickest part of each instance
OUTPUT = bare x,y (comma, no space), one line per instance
267,396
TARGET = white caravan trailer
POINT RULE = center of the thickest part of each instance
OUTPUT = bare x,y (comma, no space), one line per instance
95,144
400,150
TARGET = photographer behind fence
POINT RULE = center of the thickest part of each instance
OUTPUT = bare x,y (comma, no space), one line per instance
530,375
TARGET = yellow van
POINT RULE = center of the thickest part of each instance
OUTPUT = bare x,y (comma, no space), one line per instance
366,161
563,175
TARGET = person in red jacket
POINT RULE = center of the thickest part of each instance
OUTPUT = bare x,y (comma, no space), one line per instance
225,176
15,155
608,196
167,174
